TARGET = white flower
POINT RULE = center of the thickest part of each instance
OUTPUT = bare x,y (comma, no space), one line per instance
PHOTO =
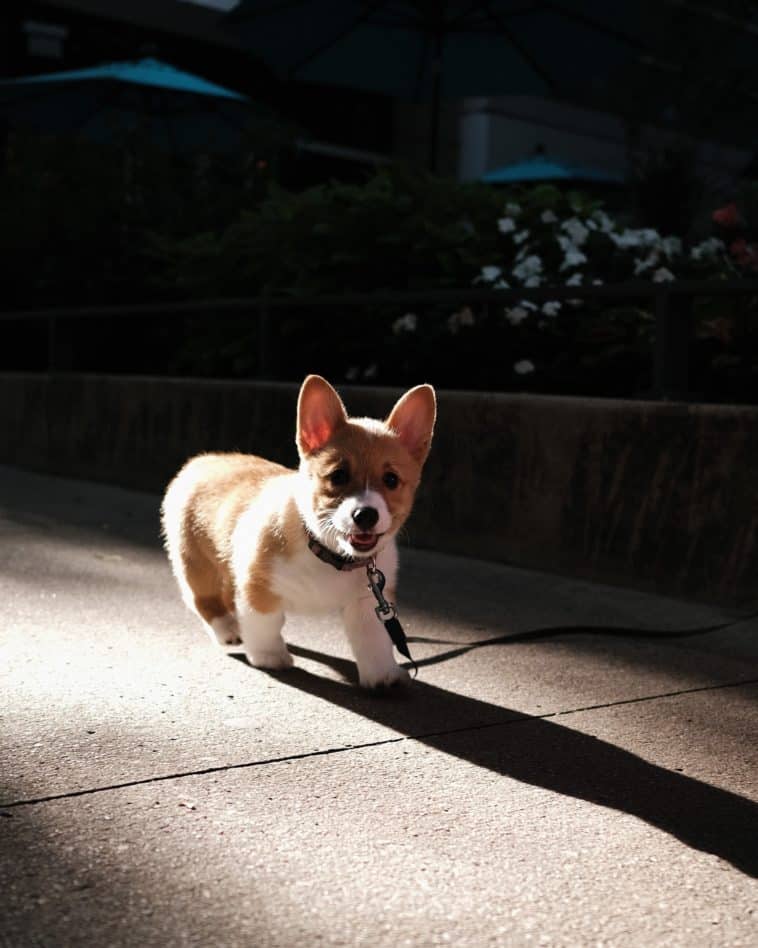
548,217
603,220
644,237
598,282
552,308
707,249
488,275
626,239
506,225
645,263
516,315
512,209
524,367
529,267
574,280
534,280
576,230
407,323
649,236
501,285
672,246
662,275
521,236
574,258
462,318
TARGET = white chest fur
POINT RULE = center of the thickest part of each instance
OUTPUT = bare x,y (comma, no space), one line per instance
308,585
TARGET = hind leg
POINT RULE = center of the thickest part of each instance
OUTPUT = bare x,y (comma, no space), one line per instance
205,584
208,593
219,618
222,626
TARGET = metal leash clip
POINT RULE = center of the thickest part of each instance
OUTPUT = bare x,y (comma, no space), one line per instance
376,582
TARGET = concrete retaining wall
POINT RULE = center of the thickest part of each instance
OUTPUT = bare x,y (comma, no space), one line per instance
658,496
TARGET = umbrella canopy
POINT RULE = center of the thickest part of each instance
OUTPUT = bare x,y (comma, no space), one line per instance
435,48
144,72
540,168
472,48
175,108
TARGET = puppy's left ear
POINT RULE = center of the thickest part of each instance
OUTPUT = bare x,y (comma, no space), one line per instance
412,419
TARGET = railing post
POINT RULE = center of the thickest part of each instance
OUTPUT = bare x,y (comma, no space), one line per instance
52,363
673,335
60,354
265,358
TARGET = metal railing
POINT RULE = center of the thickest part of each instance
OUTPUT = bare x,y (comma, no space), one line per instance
671,305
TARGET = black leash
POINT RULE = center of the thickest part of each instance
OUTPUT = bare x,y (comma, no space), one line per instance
551,632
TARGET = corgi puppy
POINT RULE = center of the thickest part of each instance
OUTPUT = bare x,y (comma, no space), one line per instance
250,541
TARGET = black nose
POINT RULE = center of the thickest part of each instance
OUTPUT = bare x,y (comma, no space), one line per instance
365,517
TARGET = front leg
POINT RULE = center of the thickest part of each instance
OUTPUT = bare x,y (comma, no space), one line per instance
371,645
261,634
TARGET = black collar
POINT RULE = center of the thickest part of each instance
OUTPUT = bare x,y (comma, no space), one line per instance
329,556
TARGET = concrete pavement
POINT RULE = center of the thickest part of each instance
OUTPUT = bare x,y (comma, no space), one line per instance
546,780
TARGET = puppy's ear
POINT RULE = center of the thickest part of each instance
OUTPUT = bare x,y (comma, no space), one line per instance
319,413
412,419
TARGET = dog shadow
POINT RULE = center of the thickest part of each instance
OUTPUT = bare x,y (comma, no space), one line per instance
543,753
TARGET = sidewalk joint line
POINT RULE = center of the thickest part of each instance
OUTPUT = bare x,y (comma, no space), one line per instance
221,768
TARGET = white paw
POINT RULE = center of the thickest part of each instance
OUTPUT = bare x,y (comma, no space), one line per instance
383,677
226,630
275,659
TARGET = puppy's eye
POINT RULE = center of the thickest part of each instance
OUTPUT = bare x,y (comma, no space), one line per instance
339,477
391,480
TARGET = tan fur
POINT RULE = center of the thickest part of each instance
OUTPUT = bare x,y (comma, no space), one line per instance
232,522
215,489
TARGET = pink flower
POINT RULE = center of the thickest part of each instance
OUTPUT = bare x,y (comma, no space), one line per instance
738,249
727,216
745,254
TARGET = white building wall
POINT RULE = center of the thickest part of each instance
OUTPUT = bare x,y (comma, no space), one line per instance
481,134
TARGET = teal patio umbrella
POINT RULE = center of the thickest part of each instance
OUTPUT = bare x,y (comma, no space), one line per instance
542,168
175,109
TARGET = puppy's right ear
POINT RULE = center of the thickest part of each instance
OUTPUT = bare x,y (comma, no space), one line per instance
319,413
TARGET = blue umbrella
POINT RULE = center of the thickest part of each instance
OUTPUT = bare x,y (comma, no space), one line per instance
175,108
540,168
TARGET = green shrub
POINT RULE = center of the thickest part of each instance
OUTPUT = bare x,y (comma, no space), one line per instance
398,231
83,224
